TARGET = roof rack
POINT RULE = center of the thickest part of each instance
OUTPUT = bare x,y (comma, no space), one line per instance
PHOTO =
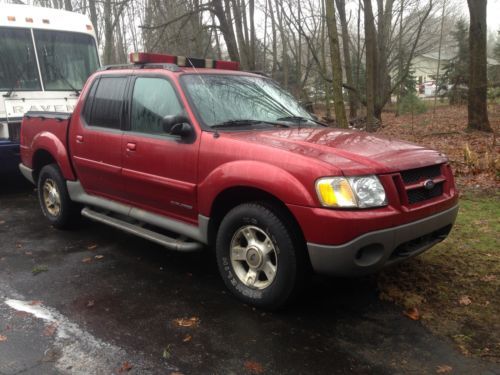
182,61
171,67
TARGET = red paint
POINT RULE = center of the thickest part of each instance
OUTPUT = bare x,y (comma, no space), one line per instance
182,180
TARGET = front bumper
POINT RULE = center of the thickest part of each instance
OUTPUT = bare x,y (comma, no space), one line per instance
372,251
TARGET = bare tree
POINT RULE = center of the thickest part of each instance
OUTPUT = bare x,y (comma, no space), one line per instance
338,98
353,104
477,96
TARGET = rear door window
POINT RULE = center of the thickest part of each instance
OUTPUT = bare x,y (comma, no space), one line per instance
107,103
152,100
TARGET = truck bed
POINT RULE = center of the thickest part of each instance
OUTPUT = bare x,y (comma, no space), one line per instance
36,126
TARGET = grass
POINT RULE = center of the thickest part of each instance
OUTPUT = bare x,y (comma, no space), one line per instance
455,285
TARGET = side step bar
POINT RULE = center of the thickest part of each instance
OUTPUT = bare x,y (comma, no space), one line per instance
161,239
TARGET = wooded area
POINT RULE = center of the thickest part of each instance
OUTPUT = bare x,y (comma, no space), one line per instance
339,54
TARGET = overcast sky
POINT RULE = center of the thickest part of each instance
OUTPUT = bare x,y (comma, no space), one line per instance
493,14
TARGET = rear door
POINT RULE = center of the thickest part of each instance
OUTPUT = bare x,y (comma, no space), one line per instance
97,139
160,170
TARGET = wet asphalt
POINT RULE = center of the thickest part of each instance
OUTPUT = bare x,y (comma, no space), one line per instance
106,302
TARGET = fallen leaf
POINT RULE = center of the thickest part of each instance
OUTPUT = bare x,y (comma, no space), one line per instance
412,313
465,301
3,338
35,302
87,260
187,322
50,330
176,373
99,256
2,222
92,247
489,278
166,352
125,367
39,269
254,367
187,338
444,369
90,303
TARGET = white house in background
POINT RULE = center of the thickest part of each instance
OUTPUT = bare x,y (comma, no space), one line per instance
426,65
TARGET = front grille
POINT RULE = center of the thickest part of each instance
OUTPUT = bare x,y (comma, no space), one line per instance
413,183
14,131
414,175
422,194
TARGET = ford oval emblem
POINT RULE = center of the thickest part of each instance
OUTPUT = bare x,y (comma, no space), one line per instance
429,184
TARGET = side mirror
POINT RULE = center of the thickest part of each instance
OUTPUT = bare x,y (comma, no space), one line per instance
177,125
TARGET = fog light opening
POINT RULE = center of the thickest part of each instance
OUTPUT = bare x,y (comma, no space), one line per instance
369,255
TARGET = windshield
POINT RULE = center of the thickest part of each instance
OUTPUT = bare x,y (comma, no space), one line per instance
66,59
18,70
221,98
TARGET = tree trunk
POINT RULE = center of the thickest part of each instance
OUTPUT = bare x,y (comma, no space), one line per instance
226,28
353,104
93,18
338,99
370,65
251,6
242,45
284,53
382,81
68,6
439,58
275,39
108,34
477,96
326,84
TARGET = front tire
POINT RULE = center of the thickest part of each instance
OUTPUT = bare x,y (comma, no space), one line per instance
54,199
260,256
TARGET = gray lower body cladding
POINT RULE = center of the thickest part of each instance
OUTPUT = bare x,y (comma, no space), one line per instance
373,251
198,233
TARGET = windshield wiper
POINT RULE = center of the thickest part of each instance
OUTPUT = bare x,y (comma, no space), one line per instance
300,119
246,122
57,71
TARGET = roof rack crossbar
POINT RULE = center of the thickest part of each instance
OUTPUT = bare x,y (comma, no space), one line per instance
166,66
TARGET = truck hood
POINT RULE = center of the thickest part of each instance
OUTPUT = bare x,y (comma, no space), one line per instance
352,152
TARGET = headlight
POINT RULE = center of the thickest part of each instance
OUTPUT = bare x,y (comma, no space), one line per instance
345,192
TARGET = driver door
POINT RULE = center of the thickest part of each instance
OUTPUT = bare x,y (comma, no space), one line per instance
159,170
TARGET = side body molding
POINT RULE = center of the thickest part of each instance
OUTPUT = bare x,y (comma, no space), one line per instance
198,233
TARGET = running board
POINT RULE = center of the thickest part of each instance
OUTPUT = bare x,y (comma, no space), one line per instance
161,239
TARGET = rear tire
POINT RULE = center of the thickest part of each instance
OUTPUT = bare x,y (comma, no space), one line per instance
260,256
54,199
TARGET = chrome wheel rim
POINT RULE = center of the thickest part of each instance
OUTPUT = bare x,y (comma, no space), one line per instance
51,197
253,257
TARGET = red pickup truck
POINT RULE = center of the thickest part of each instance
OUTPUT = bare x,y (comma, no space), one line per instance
189,153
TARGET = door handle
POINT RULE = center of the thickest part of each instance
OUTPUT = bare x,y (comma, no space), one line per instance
131,146
79,139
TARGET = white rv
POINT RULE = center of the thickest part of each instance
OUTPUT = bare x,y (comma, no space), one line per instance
46,55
